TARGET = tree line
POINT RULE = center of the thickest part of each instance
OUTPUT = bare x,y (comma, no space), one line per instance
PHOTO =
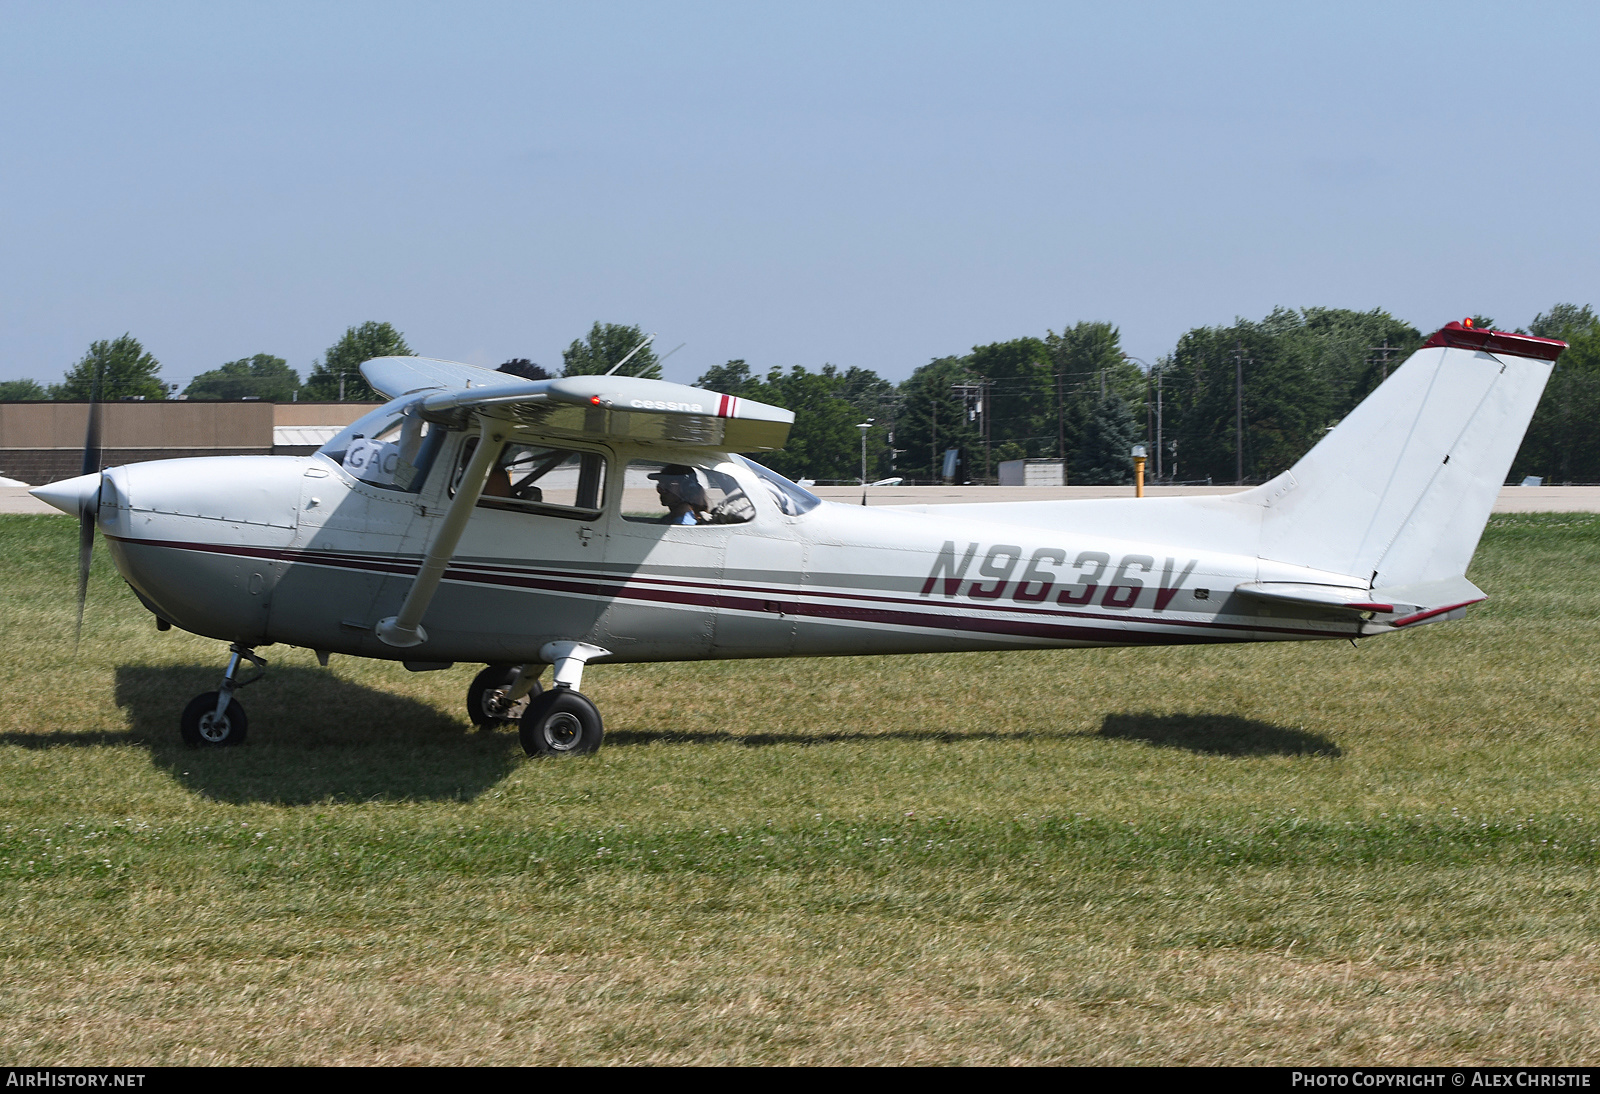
1235,403
1230,404
120,368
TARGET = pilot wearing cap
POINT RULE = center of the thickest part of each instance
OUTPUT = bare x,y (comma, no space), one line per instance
680,491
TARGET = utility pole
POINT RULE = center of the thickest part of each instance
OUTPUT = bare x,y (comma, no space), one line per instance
977,410
1566,427
1061,421
889,407
986,394
1239,360
1380,356
1149,409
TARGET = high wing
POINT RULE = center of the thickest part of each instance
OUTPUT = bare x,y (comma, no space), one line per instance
586,407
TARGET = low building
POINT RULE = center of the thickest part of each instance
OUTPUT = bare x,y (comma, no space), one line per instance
299,429
1033,473
43,442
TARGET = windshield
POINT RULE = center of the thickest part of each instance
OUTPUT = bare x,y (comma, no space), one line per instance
791,499
388,447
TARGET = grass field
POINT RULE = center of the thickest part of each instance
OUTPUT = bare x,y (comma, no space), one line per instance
1268,854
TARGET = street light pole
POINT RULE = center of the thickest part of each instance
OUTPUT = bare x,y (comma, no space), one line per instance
1156,371
1160,375
864,426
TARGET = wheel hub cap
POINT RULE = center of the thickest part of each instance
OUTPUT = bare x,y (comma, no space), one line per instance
563,731
214,729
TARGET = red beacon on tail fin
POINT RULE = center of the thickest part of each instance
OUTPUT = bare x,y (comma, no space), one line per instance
1464,335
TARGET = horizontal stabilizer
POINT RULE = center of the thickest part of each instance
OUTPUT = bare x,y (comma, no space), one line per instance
1430,601
1396,606
1316,596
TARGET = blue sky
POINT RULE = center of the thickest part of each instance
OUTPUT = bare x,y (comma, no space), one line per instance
866,184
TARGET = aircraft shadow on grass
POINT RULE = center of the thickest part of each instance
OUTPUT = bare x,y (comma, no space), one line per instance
326,739
624,738
1207,734
319,739
1216,735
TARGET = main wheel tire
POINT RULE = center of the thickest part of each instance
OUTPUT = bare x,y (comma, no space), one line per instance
201,728
561,723
485,698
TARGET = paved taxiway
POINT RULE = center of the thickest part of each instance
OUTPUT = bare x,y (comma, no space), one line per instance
1513,499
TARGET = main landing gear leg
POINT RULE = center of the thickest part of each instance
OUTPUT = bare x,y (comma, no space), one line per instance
214,719
562,722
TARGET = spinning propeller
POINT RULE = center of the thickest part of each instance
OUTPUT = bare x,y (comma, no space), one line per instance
88,509
80,497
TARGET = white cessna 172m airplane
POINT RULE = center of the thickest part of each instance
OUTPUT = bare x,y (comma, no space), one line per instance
482,517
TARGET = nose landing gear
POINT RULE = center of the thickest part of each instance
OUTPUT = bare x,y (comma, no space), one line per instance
214,719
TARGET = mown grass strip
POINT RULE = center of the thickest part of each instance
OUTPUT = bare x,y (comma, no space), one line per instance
1294,853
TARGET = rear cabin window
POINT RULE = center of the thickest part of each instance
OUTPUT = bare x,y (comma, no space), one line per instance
533,479
655,492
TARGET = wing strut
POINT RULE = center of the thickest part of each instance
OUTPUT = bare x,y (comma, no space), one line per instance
405,629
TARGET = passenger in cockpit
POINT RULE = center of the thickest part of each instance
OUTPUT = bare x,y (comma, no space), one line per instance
498,484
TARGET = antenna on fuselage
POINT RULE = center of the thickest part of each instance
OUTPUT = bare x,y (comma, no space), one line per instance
651,337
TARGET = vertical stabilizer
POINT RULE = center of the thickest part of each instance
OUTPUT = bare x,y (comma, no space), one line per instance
1399,492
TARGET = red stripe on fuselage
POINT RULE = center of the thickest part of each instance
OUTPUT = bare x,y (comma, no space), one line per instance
815,603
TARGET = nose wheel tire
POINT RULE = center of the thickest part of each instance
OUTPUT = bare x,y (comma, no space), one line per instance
201,728
560,723
486,704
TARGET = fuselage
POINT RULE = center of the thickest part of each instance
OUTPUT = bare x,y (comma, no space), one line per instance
299,550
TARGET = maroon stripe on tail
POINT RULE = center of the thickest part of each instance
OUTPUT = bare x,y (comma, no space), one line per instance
1460,336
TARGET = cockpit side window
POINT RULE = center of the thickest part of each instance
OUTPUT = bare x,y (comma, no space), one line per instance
391,448
655,492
